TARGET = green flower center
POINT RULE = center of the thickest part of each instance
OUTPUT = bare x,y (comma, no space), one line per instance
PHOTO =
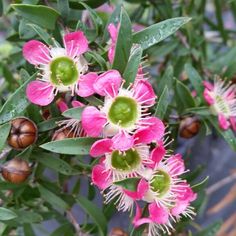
126,161
123,111
63,71
221,105
160,183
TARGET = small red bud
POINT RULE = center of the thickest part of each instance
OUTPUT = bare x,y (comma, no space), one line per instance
118,232
189,127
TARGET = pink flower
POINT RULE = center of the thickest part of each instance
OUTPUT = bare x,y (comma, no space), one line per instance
123,110
221,98
61,69
123,158
126,198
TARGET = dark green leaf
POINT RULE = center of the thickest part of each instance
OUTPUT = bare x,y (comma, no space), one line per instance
183,97
129,184
91,3
74,113
203,111
72,146
63,230
56,164
29,217
166,80
95,213
52,198
63,7
16,103
158,32
37,14
28,230
6,214
4,131
124,43
162,104
48,124
131,69
194,78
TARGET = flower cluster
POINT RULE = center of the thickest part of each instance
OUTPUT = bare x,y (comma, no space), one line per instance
132,146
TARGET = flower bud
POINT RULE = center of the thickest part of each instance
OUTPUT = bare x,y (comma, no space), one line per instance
23,133
16,171
118,232
63,134
189,127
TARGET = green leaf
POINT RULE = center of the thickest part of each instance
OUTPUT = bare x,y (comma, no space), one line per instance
183,97
63,230
129,184
29,217
56,164
6,214
95,213
98,59
52,198
91,3
158,32
74,113
4,132
203,111
228,135
131,69
41,33
63,7
124,43
166,80
48,124
16,103
162,104
37,14
210,230
72,146
194,78
28,230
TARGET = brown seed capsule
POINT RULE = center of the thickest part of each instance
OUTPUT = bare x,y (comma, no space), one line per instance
62,134
23,133
16,171
118,232
189,127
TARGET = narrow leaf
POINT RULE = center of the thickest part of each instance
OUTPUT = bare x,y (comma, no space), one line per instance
158,32
40,15
72,146
4,132
74,113
95,213
16,103
162,104
131,69
124,42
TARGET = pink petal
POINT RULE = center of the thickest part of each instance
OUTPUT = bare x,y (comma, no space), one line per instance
86,84
40,93
144,92
137,221
36,53
157,154
208,85
176,164
209,99
154,132
113,31
101,147
233,122
111,52
185,193
77,104
93,121
223,123
122,141
62,106
179,208
142,188
158,214
75,43
101,177
108,83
